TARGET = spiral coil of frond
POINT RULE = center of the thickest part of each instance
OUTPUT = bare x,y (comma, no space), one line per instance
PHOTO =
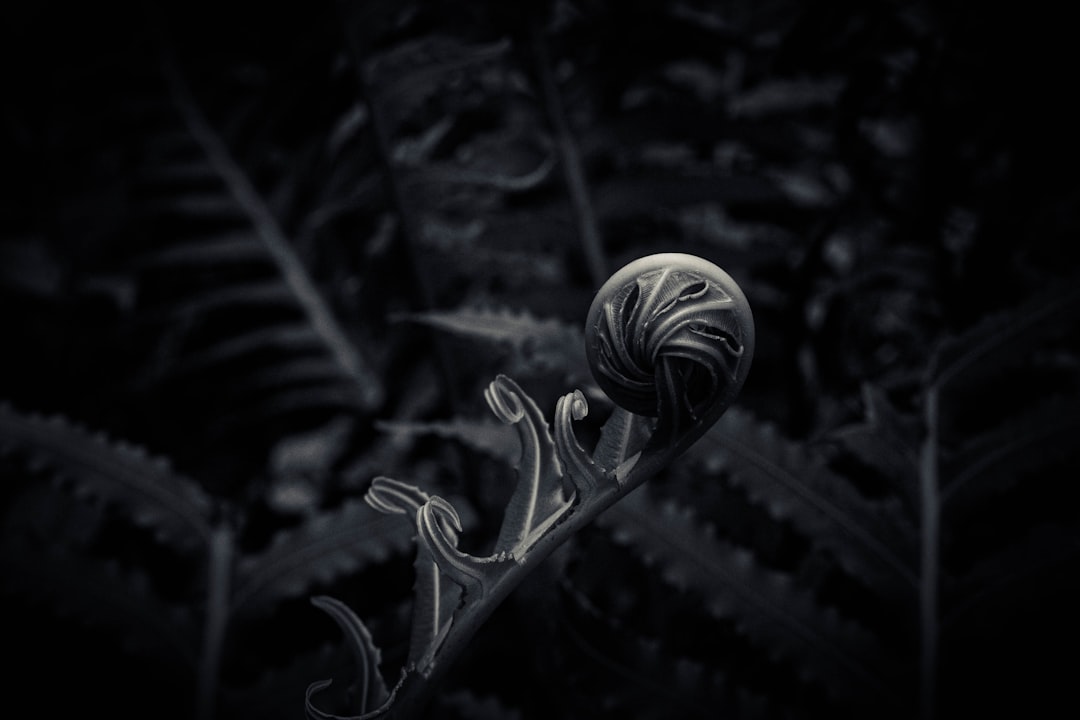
671,336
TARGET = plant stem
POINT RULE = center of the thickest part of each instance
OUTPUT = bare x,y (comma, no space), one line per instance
218,581
573,168
930,568
415,693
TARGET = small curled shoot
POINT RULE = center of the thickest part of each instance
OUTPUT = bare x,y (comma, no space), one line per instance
394,497
434,600
584,473
473,574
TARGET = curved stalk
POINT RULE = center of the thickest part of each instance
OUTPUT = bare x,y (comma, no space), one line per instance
669,337
415,691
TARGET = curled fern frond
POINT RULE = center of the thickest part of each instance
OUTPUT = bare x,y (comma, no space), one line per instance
671,336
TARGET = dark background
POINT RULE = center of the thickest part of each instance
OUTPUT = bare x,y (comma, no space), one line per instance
880,178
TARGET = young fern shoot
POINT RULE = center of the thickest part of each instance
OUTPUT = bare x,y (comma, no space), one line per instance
669,338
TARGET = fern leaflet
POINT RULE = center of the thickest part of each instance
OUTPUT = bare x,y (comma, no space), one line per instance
324,547
146,488
869,540
767,606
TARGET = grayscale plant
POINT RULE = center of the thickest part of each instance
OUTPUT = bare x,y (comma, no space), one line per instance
669,338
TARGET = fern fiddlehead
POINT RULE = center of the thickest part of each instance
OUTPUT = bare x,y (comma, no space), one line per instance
669,339
671,336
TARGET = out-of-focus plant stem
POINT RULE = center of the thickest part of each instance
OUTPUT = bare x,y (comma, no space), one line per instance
931,519
218,581
570,157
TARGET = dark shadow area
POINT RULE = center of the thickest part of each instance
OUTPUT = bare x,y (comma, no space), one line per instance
252,259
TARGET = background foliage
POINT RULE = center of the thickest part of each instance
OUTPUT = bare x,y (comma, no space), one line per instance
252,257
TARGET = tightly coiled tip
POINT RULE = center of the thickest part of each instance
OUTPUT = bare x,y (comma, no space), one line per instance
671,336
